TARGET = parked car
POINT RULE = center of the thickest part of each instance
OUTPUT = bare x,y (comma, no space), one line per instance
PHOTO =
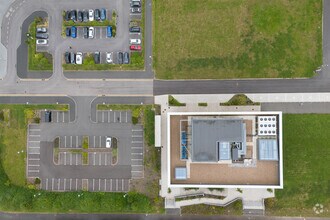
135,29
67,57
41,42
48,116
109,31
97,15
79,58
80,16
108,143
97,57
135,4
135,10
41,36
91,32
103,14
68,31
41,30
67,16
109,58
72,58
73,15
134,41
91,15
73,32
85,31
85,16
135,47
120,57
126,58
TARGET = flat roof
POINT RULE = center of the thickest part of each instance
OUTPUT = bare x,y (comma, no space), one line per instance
207,132
257,174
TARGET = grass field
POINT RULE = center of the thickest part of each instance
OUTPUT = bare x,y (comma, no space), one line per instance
306,166
236,38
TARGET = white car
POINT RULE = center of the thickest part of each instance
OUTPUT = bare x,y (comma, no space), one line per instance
91,15
135,41
42,42
79,58
91,32
108,142
109,58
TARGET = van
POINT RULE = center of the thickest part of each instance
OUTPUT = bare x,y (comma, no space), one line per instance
109,31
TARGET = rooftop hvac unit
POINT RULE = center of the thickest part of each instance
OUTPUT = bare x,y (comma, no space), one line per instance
267,125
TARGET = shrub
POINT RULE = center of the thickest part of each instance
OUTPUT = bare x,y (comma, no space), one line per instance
173,102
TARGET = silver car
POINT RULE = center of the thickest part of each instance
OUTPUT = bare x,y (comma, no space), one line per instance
42,42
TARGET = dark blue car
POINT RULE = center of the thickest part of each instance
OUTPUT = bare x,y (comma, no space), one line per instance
73,32
103,14
109,31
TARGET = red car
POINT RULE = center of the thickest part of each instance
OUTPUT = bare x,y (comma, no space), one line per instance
135,47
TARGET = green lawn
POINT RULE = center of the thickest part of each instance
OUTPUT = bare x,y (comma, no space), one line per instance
37,61
15,196
236,39
306,166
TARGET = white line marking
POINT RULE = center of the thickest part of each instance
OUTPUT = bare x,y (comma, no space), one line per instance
64,158
76,159
58,184
105,158
136,147
65,141
122,185
93,184
136,130
57,117
71,141
99,184
76,184
136,165
100,159
70,184
126,117
52,184
34,158
34,135
136,136
110,185
136,159
76,141
63,117
120,117
100,141
136,153
105,185
34,147
136,142
70,159
33,165
94,159
64,184
137,171
34,141
108,116
102,117
116,184
94,142
33,153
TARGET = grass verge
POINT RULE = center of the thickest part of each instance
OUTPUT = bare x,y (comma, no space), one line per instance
239,99
306,155
232,209
207,40
37,61
173,102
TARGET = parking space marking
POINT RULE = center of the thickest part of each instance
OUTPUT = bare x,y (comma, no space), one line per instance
76,159
52,184
102,117
76,184
63,117
105,159
34,171
70,159
76,141
70,184
64,184
70,141
94,159
58,184
93,183
100,159
34,165
34,158
47,184
65,141
110,184
64,158
116,184
94,142
57,117
99,184
105,185
100,142
126,116
137,142
108,116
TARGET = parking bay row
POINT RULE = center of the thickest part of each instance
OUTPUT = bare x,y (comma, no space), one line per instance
76,141
94,185
94,159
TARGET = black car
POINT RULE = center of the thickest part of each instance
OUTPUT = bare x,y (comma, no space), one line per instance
97,57
48,116
68,31
67,16
41,36
126,58
85,29
120,57
72,58
135,29
80,16
85,16
73,15
67,57
97,14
